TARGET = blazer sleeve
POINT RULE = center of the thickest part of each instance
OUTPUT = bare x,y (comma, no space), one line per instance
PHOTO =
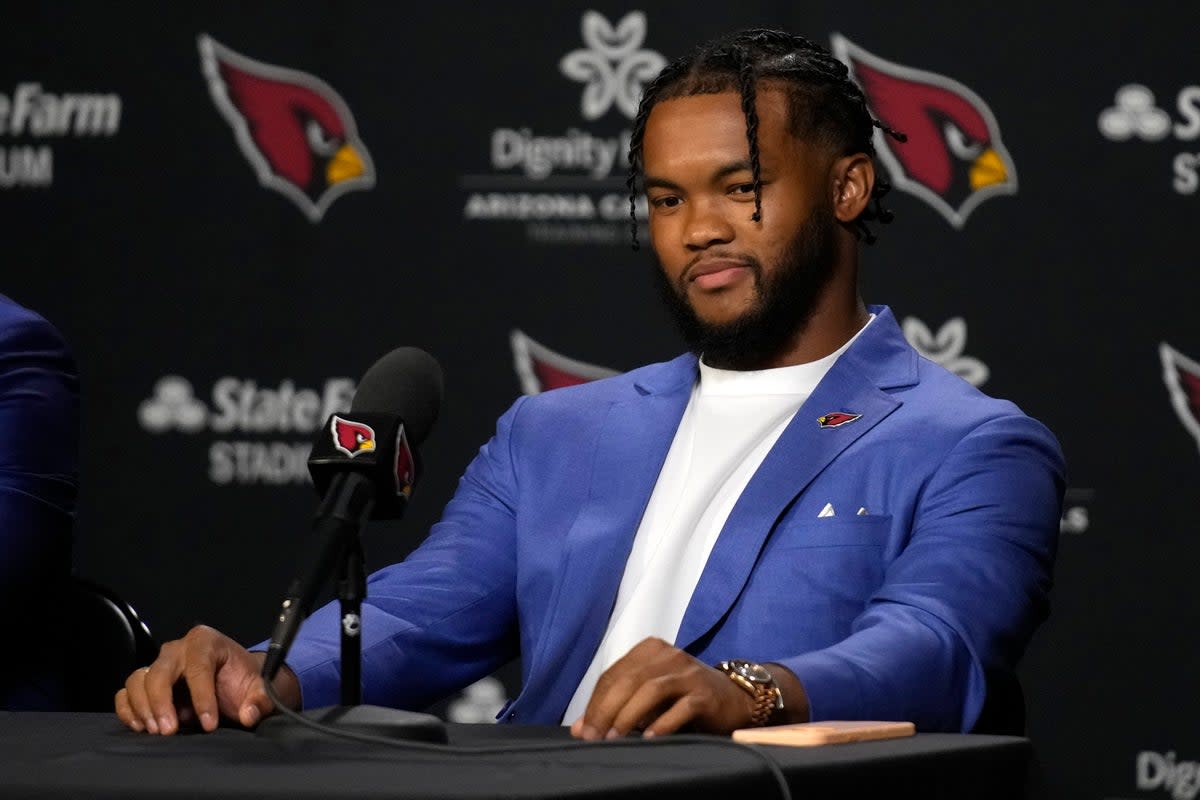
39,451
964,596
445,616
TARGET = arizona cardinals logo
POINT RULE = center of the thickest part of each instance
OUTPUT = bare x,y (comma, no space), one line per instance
292,127
953,159
837,419
406,465
352,438
541,369
1182,376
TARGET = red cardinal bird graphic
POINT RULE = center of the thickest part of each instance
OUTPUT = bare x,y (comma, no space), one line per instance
406,466
541,369
1182,376
352,437
292,127
836,419
953,159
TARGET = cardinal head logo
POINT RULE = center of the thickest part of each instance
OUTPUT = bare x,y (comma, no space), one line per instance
954,158
540,369
296,132
406,465
351,438
1182,377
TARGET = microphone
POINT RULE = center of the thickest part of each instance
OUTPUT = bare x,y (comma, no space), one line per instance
364,464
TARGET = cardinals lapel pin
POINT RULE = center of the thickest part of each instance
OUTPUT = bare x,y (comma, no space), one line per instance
837,419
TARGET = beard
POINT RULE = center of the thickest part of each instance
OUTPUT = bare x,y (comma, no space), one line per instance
784,301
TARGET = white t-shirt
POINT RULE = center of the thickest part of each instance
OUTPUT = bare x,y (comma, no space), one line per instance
731,422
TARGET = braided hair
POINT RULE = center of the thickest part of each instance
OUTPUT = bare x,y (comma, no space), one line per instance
825,104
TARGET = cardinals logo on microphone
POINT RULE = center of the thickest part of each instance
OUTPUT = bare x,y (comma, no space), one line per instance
292,127
351,437
406,465
355,438
954,158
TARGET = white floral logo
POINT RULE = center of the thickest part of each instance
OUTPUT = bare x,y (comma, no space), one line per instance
946,348
612,66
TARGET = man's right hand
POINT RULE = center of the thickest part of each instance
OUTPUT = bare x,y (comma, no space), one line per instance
200,678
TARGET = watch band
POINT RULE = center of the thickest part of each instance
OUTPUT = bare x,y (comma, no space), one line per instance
756,680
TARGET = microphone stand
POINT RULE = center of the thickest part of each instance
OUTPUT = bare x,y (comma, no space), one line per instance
351,714
351,589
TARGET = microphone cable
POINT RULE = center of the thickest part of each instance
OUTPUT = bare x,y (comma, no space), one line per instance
756,751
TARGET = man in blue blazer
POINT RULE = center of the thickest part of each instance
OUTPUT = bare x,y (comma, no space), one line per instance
808,522
39,465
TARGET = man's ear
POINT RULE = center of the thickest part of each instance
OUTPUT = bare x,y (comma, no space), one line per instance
853,180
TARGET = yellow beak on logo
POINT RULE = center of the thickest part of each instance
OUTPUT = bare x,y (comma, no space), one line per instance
988,170
367,444
345,164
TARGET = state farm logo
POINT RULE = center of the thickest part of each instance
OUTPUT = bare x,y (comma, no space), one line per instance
1178,778
954,158
294,129
1076,511
946,348
173,405
613,66
567,188
259,416
1135,114
32,112
478,703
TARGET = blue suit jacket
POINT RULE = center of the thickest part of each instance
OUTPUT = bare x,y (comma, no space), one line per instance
896,614
39,463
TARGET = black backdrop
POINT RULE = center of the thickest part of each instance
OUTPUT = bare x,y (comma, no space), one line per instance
134,219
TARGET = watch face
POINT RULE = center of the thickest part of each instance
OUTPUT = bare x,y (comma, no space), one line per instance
753,672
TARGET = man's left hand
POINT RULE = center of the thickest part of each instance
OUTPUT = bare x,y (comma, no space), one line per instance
657,689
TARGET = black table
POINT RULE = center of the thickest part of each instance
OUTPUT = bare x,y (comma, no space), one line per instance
65,755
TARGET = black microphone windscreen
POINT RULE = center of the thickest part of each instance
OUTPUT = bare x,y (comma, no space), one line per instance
408,382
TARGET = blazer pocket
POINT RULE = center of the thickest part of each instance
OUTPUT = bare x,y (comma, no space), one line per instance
815,577
865,531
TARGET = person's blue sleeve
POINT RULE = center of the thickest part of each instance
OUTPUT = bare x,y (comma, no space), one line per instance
39,452
964,596
445,616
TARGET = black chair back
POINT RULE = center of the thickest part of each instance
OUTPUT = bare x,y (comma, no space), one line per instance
107,641
1004,709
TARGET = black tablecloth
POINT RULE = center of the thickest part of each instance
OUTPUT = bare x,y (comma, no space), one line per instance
92,756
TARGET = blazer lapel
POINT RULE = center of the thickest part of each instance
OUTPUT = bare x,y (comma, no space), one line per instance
638,434
803,450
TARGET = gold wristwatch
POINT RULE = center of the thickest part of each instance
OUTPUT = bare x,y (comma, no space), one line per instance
757,680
